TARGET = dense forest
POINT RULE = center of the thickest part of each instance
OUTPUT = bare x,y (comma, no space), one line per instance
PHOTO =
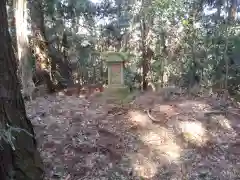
60,44
167,42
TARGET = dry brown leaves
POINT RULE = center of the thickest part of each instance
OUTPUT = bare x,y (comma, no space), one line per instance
81,139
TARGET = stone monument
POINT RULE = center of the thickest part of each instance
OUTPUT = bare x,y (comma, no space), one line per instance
115,63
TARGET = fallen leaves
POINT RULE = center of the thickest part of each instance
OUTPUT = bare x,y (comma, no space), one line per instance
94,139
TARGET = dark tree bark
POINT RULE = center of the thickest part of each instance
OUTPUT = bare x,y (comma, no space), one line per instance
49,58
144,55
39,43
67,71
21,162
233,10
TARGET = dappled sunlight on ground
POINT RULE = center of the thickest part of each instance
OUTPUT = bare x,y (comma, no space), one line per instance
158,139
222,121
200,106
165,109
94,139
143,166
162,143
139,119
193,132
193,105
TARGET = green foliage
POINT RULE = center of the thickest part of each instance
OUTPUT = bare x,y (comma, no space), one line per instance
111,56
129,76
186,41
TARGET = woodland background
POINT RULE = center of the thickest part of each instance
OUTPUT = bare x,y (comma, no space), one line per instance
169,42
189,50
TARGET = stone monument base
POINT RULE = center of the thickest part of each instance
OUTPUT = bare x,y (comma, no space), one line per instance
116,87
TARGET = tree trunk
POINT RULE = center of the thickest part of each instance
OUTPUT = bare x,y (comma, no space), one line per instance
233,11
24,56
163,50
12,23
48,57
147,53
144,55
67,71
39,43
21,160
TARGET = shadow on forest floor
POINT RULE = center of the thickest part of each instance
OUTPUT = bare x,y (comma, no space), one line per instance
93,139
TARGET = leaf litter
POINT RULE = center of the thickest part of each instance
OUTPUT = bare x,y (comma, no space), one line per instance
93,139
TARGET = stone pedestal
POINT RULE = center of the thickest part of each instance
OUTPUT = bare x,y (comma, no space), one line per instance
115,63
115,74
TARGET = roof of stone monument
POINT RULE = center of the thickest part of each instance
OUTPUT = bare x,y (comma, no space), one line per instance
111,56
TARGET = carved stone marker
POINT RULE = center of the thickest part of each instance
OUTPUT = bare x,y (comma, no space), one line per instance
115,68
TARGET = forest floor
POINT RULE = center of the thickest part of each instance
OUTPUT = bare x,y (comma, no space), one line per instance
99,139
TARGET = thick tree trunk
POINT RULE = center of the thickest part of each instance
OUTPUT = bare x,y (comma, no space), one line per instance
21,161
24,56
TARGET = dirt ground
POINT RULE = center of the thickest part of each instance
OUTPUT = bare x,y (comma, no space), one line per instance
94,139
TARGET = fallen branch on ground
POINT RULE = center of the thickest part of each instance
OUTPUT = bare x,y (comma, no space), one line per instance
154,120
